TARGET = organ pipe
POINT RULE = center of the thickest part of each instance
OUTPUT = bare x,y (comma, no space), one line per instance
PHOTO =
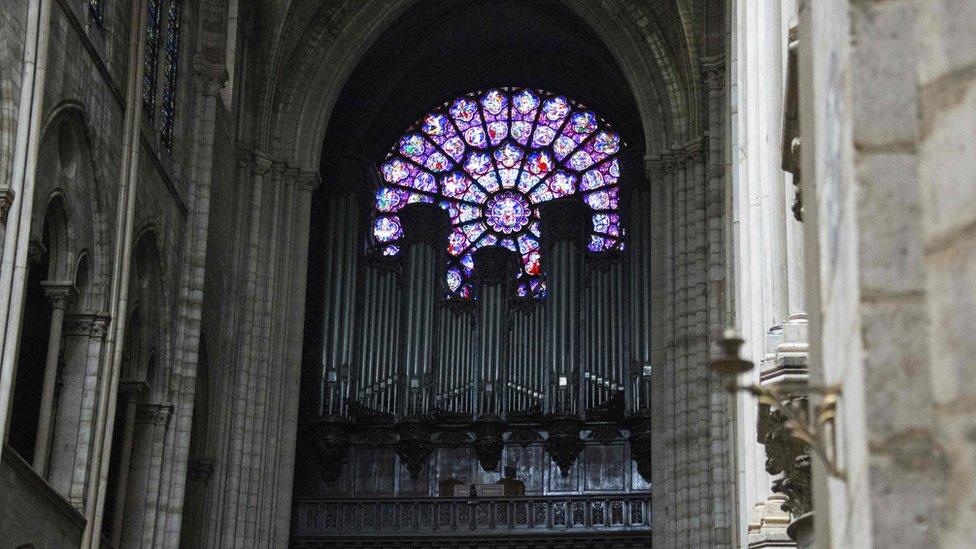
563,323
641,286
379,340
454,368
340,303
419,328
526,380
493,329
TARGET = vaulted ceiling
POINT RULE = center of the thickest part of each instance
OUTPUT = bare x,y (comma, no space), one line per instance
637,61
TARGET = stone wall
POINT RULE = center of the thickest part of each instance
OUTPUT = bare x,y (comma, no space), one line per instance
887,143
946,163
32,514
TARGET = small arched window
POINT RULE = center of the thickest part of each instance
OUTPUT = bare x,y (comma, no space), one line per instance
491,159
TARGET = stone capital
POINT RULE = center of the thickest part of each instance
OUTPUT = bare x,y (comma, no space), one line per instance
261,164
6,200
87,324
713,72
133,388
154,414
210,77
291,176
309,181
59,292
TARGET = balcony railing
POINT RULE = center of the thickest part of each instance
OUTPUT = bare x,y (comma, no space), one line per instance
324,518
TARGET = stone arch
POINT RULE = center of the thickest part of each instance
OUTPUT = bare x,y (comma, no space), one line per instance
295,109
76,176
59,239
147,313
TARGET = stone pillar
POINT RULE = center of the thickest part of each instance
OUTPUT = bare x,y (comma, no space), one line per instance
130,395
279,502
59,294
143,487
83,341
208,79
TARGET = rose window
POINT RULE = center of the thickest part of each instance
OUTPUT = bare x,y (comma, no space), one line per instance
490,159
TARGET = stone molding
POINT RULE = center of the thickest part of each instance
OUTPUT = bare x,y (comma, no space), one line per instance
87,324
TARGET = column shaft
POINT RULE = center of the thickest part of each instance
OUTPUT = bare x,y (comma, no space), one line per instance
59,296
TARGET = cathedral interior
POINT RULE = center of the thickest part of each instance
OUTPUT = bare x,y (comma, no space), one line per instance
505,274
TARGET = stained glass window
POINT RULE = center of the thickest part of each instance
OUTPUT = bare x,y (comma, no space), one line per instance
150,60
170,72
491,159
96,10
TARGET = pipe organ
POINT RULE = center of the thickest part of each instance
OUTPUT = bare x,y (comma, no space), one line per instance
484,305
406,368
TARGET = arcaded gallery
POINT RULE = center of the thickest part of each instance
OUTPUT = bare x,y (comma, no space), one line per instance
487,274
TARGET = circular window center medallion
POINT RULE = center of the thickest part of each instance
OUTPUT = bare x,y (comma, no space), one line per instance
508,212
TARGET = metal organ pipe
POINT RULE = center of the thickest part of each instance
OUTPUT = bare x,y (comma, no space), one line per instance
563,329
641,290
339,305
455,331
492,328
418,325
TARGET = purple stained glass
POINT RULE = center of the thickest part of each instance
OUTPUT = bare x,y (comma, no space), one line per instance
387,229
390,200
562,184
488,158
508,212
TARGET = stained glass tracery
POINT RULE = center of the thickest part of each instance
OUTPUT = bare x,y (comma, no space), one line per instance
170,72
96,10
490,160
150,58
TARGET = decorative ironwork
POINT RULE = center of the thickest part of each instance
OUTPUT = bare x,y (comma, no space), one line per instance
816,431
171,70
330,443
488,441
414,446
564,443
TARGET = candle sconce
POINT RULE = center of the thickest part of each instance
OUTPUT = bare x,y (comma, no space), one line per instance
816,430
